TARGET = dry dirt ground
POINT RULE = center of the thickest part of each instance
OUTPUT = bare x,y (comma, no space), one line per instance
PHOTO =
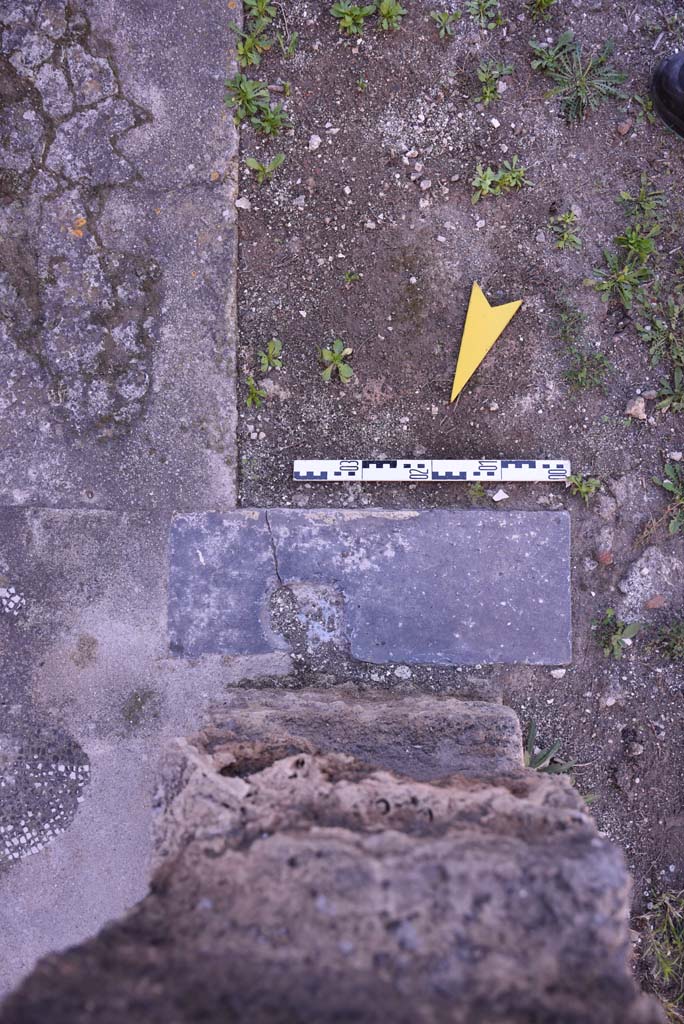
386,195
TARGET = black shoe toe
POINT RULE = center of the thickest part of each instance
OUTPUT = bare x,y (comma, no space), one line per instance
667,90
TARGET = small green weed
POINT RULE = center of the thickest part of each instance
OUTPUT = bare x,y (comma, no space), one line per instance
390,13
488,182
621,279
626,274
638,242
477,493
351,277
252,45
570,323
613,635
670,640
334,359
582,84
664,951
260,10
672,24
644,109
587,369
247,97
272,121
647,204
446,22
671,393
264,172
490,73
540,10
548,58
351,17
486,13
361,84
544,760
269,358
255,395
673,483
663,329
584,486
485,182
563,228
288,44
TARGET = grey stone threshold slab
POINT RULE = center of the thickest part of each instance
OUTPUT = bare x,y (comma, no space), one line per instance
444,587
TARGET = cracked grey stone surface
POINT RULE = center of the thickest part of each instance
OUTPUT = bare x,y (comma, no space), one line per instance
88,680
117,274
117,228
438,587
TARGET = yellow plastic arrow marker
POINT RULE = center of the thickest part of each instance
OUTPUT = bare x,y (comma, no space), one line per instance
484,324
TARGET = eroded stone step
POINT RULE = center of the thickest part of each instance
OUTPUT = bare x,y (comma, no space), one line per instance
441,587
309,888
423,737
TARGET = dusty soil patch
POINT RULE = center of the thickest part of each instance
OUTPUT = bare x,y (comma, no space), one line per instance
360,203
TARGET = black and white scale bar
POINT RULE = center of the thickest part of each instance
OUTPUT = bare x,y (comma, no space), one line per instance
432,470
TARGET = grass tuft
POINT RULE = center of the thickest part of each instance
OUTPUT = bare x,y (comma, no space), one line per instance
664,952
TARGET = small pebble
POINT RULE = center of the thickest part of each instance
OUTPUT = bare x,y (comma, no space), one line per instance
636,408
314,143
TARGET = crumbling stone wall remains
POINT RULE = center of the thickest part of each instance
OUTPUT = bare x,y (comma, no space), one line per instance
294,886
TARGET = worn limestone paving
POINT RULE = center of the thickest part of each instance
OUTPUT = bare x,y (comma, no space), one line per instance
117,280
117,227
